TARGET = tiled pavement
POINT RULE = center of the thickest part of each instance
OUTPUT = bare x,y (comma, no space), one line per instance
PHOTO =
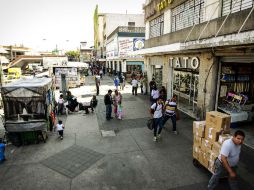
72,161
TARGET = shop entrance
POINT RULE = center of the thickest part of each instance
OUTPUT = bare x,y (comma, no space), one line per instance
185,86
236,91
157,74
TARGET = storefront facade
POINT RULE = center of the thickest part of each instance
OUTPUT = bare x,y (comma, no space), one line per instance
189,54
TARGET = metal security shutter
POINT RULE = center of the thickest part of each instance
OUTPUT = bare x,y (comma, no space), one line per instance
235,5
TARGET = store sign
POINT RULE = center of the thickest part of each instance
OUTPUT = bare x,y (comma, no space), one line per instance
138,44
163,4
184,62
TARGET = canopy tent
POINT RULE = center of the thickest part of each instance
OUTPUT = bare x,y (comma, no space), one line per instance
30,96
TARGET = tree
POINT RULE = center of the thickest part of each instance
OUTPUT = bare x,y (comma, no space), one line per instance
73,55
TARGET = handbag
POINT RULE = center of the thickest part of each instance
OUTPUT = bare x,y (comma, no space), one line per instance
150,124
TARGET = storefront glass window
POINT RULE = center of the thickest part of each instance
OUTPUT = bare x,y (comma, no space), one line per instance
185,86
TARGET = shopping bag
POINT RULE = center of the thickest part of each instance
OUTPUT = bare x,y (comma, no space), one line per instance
150,124
177,115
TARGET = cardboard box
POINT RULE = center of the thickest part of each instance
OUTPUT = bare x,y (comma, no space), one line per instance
216,147
211,166
218,120
197,140
206,145
212,134
196,150
199,128
224,137
203,158
213,155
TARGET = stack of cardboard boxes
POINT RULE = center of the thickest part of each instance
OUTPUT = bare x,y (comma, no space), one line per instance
208,137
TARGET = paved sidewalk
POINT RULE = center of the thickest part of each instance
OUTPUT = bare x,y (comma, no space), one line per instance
130,160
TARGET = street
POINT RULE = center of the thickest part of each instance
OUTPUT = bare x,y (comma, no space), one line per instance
96,154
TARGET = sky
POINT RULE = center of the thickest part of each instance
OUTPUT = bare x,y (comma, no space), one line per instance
45,24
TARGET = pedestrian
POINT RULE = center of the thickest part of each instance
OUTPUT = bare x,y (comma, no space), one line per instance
170,112
141,79
156,112
144,81
122,81
93,104
72,101
134,84
108,102
97,84
116,82
117,99
152,84
154,95
60,105
101,73
60,129
163,93
227,161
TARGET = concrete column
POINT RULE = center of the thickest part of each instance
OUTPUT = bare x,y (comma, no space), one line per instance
208,73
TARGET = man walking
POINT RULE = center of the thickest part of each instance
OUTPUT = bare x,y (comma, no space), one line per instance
134,84
227,161
170,112
108,102
97,83
122,81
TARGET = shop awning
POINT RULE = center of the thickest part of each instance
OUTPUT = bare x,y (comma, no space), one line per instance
243,38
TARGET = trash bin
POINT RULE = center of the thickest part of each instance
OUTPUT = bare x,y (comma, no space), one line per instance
2,148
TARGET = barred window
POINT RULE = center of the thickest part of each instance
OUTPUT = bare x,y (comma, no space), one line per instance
157,26
187,14
235,5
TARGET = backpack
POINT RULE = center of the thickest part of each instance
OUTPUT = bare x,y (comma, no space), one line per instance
153,110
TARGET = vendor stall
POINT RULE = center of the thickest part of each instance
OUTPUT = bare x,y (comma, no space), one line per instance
28,108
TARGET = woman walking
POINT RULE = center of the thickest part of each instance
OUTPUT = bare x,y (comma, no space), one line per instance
117,100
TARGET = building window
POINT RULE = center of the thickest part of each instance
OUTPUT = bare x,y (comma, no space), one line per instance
131,24
187,14
157,26
235,5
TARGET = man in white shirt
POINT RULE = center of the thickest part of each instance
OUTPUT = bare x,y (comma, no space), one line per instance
227,161
156,112
154,95
134,84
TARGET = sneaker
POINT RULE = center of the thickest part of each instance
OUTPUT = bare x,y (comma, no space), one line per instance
158,136
61,138
154,138
175,132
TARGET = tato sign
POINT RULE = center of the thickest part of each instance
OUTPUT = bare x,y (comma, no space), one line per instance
184,62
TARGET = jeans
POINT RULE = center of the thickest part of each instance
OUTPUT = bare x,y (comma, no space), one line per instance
157,122
219,171
108,111
134,90
97,90
173,119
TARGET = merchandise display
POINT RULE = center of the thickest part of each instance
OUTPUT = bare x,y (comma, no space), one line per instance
236,91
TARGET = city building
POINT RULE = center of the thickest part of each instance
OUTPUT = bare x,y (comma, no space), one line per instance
120,43
203,52
105,24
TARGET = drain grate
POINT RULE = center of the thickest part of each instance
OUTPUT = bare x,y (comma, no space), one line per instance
72,161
